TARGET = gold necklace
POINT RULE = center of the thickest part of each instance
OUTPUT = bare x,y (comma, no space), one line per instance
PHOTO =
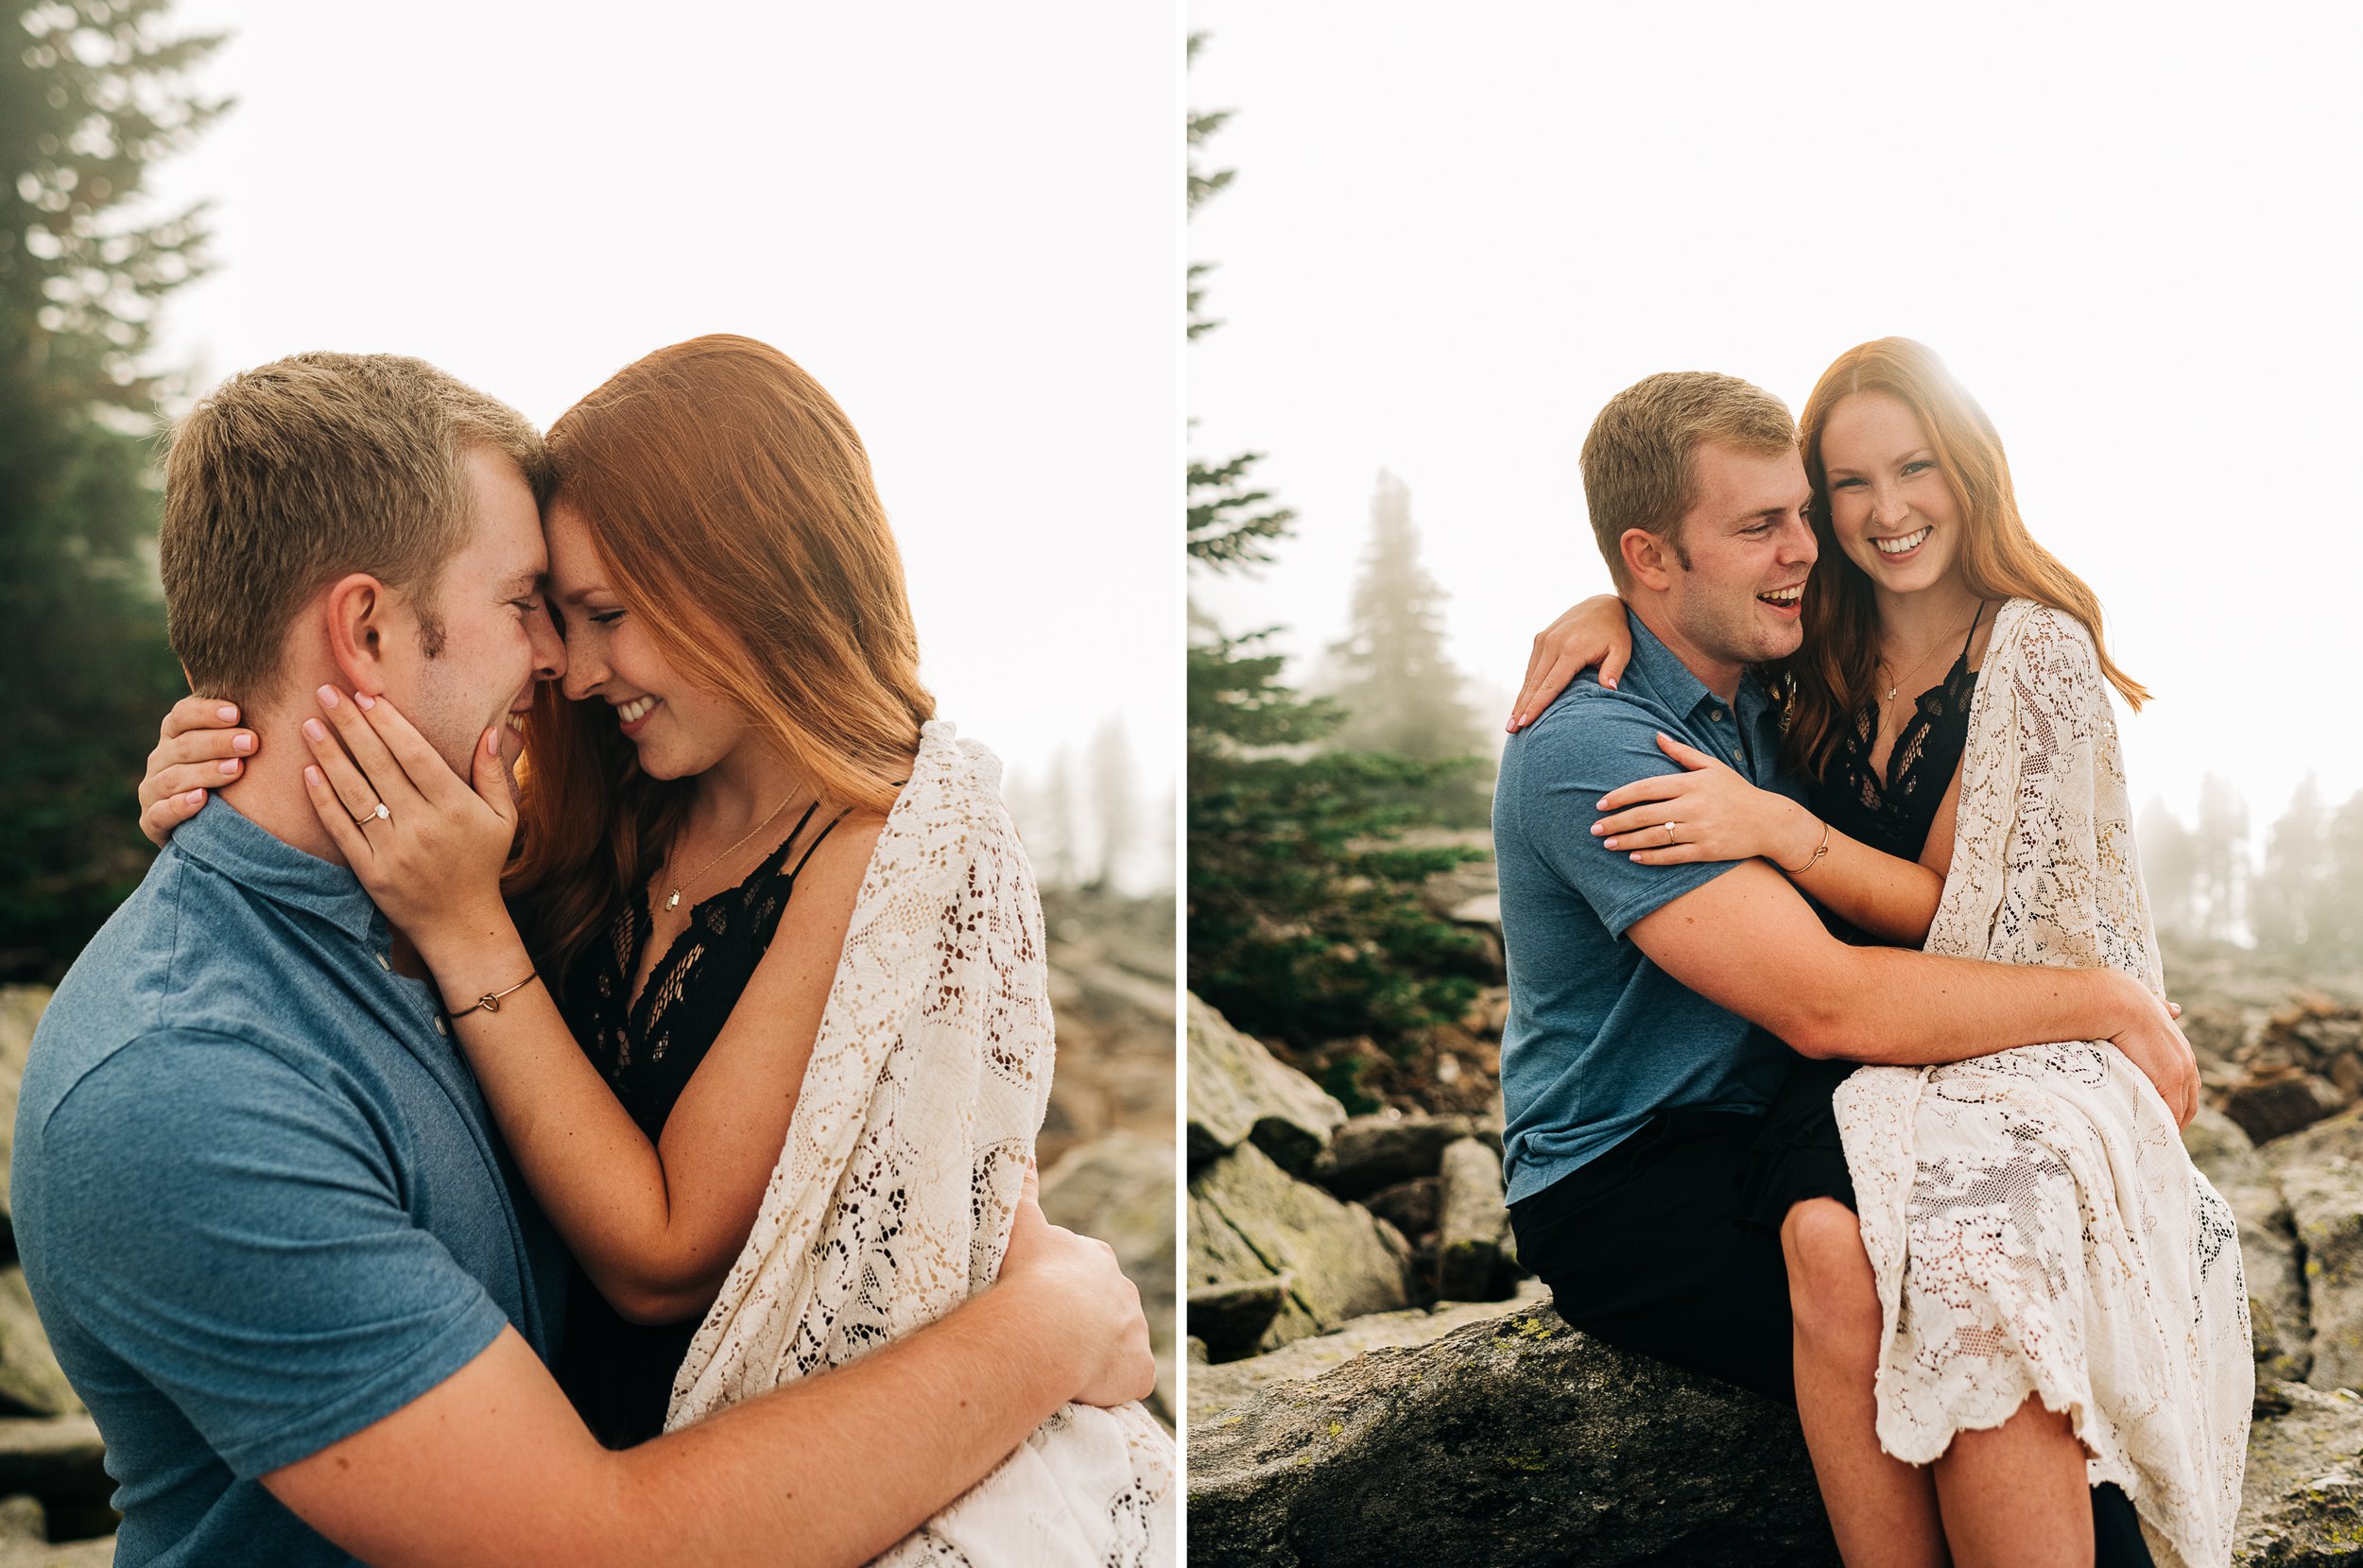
1923,659
672,900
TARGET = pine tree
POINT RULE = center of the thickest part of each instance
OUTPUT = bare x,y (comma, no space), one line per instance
2286,896
1230,521
1399,689
92,92
2169,858
2336,926
1111,802
2220,849
1305,919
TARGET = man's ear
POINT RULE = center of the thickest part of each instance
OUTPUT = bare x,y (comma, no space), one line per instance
360,615
1649,560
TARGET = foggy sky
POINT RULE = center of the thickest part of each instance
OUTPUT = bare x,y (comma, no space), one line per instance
961,220
1454,235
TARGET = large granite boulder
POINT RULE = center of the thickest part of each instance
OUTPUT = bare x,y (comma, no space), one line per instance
2269,1246
1512,1440
1240,1090
2320,1171
1251,1220
2301,1500
1515,1442
1215,1390
1120,1189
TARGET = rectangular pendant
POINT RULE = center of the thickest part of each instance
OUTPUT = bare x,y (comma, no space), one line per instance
673,902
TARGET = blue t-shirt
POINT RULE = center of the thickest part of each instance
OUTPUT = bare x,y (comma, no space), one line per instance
259,1199
1600,1039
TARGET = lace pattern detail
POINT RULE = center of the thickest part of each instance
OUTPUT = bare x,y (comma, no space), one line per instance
2033,1222
893,1197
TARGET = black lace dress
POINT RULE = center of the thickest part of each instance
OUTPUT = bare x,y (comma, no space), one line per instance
618,1373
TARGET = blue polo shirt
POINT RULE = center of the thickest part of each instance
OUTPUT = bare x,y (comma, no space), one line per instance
260,1201
1600,1039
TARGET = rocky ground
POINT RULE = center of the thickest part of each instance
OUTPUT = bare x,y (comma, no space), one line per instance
52,1487
1108,1170
1107,1167
1373,1383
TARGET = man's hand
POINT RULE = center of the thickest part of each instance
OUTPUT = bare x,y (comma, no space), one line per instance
2154,1043
1096,1309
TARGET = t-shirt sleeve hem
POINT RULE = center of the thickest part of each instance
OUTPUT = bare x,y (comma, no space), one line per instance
467,1336
1672,884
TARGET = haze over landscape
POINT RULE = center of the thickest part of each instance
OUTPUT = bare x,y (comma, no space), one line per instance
1449,240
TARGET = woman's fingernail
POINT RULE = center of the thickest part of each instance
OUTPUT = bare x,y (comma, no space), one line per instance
231,766
311,774
314,730
1598,828
327,696
242,742
492,742
195,798
1607,843
1609,684
364,701
227,714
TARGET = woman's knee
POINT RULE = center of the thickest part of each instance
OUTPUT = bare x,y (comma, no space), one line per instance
1831,1289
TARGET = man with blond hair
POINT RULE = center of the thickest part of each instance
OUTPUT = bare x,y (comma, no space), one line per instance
1655,1011
270,1226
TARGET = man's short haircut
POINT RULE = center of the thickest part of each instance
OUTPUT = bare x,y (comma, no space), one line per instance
287,478
1637,467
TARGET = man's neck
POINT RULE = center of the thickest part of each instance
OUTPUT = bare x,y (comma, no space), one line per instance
271,792
1719,676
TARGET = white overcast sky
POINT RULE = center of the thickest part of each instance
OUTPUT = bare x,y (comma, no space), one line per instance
962,219
1456,230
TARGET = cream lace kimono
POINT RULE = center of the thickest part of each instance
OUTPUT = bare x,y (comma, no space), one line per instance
893,1197
2033,1222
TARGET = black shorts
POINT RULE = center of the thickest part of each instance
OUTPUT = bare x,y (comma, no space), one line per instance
1648,1248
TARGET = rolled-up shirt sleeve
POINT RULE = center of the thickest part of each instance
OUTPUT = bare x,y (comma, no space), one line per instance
236,1234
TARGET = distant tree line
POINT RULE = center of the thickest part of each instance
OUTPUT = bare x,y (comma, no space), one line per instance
1088,825
2298,891
92,92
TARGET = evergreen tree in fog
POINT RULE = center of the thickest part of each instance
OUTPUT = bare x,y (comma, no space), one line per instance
2219,849
92,92
1305,922
1400,691
2285,898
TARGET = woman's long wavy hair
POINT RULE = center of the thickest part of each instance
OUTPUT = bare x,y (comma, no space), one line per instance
1831,677
732,509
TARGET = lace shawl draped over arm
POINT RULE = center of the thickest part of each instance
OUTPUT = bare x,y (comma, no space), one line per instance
2031,1218
893,1197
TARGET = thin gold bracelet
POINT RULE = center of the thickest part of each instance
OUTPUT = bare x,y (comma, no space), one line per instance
491,1000
1819,850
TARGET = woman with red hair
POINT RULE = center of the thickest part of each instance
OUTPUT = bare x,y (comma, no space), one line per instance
779,1082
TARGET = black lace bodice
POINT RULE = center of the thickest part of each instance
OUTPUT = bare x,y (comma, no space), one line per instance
619,1374
1894,813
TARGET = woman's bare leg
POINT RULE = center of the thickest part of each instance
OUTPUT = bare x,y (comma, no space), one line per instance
1882,1510
2015,1494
